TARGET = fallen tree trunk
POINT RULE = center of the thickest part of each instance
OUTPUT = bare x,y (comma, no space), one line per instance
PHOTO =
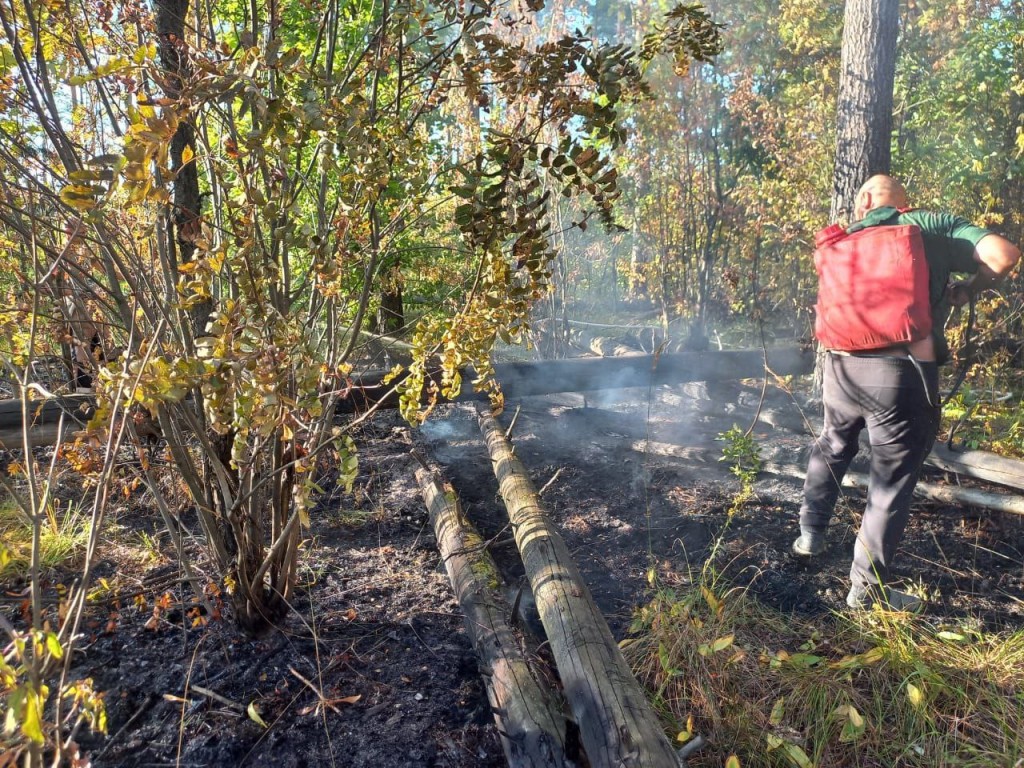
44,419
590,374
617,727
981,465
531,728
948,494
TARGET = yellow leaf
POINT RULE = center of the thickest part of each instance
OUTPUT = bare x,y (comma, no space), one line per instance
187,155
732,762
916,695
713,602
32,721
254,715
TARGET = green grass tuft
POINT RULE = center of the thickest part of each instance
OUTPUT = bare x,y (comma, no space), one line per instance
63,535
875,689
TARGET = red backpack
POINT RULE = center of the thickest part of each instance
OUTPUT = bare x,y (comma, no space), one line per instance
872,287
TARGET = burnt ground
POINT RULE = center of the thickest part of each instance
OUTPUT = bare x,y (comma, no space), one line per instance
375,627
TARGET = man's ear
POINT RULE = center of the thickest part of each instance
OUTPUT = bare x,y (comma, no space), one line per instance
861,204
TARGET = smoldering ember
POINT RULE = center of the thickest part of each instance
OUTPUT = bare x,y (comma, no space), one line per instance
538,383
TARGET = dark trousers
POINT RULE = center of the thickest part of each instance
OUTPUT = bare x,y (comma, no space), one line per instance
896,399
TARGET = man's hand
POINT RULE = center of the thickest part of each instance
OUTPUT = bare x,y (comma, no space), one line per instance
958,292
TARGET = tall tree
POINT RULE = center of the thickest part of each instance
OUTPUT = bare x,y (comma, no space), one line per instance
864,116
182,227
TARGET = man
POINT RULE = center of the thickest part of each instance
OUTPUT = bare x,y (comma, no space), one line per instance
893,392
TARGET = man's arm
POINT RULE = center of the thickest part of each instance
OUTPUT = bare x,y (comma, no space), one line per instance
996,257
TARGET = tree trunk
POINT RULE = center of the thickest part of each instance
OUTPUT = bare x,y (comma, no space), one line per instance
617,727
391,315
592,374
864,115
947,494
980,465
185,219
531,728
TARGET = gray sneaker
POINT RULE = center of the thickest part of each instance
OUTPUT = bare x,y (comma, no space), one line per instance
810,544
863,598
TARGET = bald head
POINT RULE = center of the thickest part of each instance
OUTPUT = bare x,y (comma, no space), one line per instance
877,192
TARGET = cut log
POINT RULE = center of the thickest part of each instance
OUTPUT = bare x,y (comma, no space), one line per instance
948,494
604,345
617,727
591,374
980,465
529,722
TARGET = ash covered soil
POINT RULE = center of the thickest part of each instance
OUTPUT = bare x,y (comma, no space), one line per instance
373,666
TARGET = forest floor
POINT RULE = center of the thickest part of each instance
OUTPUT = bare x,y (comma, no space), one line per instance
373,666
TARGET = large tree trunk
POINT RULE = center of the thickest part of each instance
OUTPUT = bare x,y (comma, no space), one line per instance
864,112
864,115
531,728
617,727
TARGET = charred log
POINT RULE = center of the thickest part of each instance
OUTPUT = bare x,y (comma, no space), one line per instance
587,375
617,726
44,419
531,727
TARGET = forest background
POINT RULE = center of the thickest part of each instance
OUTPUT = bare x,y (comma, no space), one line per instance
228,195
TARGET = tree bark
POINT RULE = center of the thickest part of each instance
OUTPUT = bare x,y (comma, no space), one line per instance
531,728
617,727
185,219
391,315
980,465
864,115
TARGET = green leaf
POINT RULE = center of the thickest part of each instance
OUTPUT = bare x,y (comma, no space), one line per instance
778,711
732,762
722,643
804,660
798,756
53,646
855,724
955,637
664,659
